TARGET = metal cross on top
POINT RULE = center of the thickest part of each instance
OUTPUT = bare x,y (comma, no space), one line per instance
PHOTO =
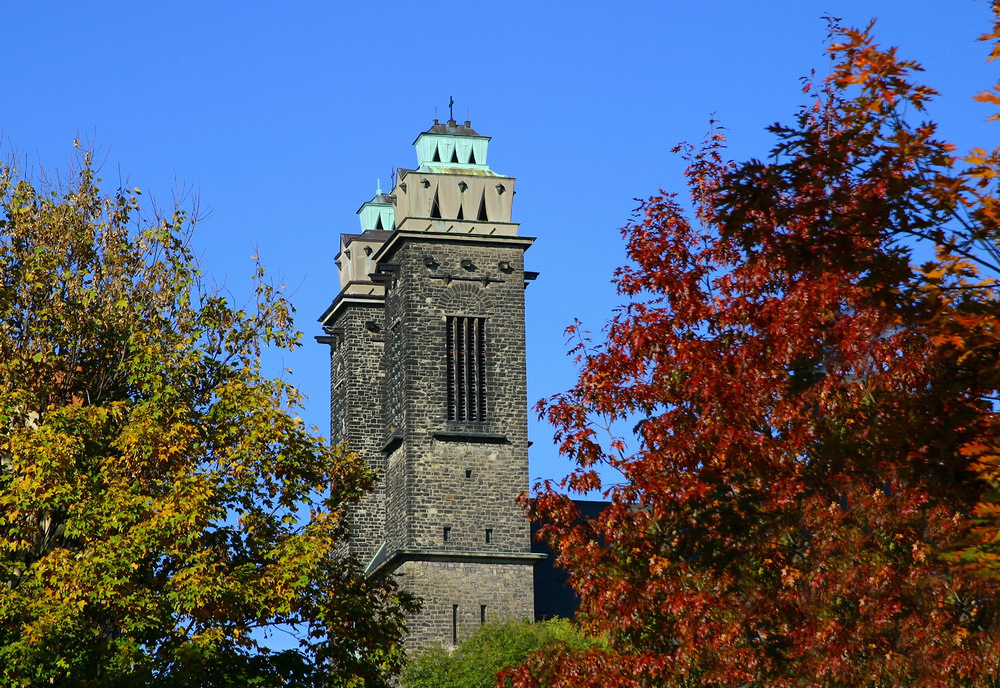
451,103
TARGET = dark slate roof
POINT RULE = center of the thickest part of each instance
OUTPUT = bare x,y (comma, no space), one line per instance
367,235
554,598
384,199
452,128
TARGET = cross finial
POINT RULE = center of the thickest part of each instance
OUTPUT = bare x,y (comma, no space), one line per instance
451,104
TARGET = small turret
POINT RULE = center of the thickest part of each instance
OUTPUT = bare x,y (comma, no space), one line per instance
354,261
377,214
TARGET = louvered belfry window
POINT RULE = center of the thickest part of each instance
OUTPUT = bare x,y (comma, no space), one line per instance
466,369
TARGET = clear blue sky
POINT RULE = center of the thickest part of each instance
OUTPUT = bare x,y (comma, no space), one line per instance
283,115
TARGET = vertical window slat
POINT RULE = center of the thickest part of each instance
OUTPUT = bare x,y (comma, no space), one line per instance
467,345
481,364
463,390
466,368
476,372
452,365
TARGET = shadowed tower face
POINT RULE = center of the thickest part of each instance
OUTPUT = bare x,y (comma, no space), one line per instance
428,384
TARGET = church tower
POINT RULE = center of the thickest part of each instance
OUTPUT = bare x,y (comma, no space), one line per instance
428,384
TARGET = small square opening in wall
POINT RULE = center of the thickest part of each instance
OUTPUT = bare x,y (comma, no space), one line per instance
468,472
447,533
489,535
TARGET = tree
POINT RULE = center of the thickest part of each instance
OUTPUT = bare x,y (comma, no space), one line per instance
813,496
492,649
162,508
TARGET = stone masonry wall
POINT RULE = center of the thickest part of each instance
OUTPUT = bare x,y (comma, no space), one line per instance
443,474
462,475
356,415
504,590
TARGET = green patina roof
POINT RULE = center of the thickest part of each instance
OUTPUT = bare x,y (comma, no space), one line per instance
377,213
452,146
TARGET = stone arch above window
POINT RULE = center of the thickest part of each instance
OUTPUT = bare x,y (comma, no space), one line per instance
465,298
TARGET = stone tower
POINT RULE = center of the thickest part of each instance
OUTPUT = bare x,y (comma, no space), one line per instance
428,384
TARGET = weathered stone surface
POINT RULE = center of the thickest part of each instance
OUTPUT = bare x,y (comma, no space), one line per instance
356,414
459,595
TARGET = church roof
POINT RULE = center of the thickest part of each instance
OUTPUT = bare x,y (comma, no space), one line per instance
453,128
379,199
367,235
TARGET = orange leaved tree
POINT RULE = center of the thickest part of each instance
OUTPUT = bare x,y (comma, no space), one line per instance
813,495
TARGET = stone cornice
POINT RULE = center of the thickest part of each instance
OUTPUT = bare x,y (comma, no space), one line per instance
404,554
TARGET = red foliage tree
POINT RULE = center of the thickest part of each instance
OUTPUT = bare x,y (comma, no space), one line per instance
812,500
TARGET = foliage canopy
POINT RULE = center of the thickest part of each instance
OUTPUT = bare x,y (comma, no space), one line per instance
161,506
814,365
492,649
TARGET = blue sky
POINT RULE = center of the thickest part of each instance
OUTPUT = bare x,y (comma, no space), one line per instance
283,116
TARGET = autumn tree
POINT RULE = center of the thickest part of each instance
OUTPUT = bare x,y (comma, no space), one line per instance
810,363
162,508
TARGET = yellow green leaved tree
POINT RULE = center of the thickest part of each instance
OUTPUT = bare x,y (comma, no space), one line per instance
162,508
